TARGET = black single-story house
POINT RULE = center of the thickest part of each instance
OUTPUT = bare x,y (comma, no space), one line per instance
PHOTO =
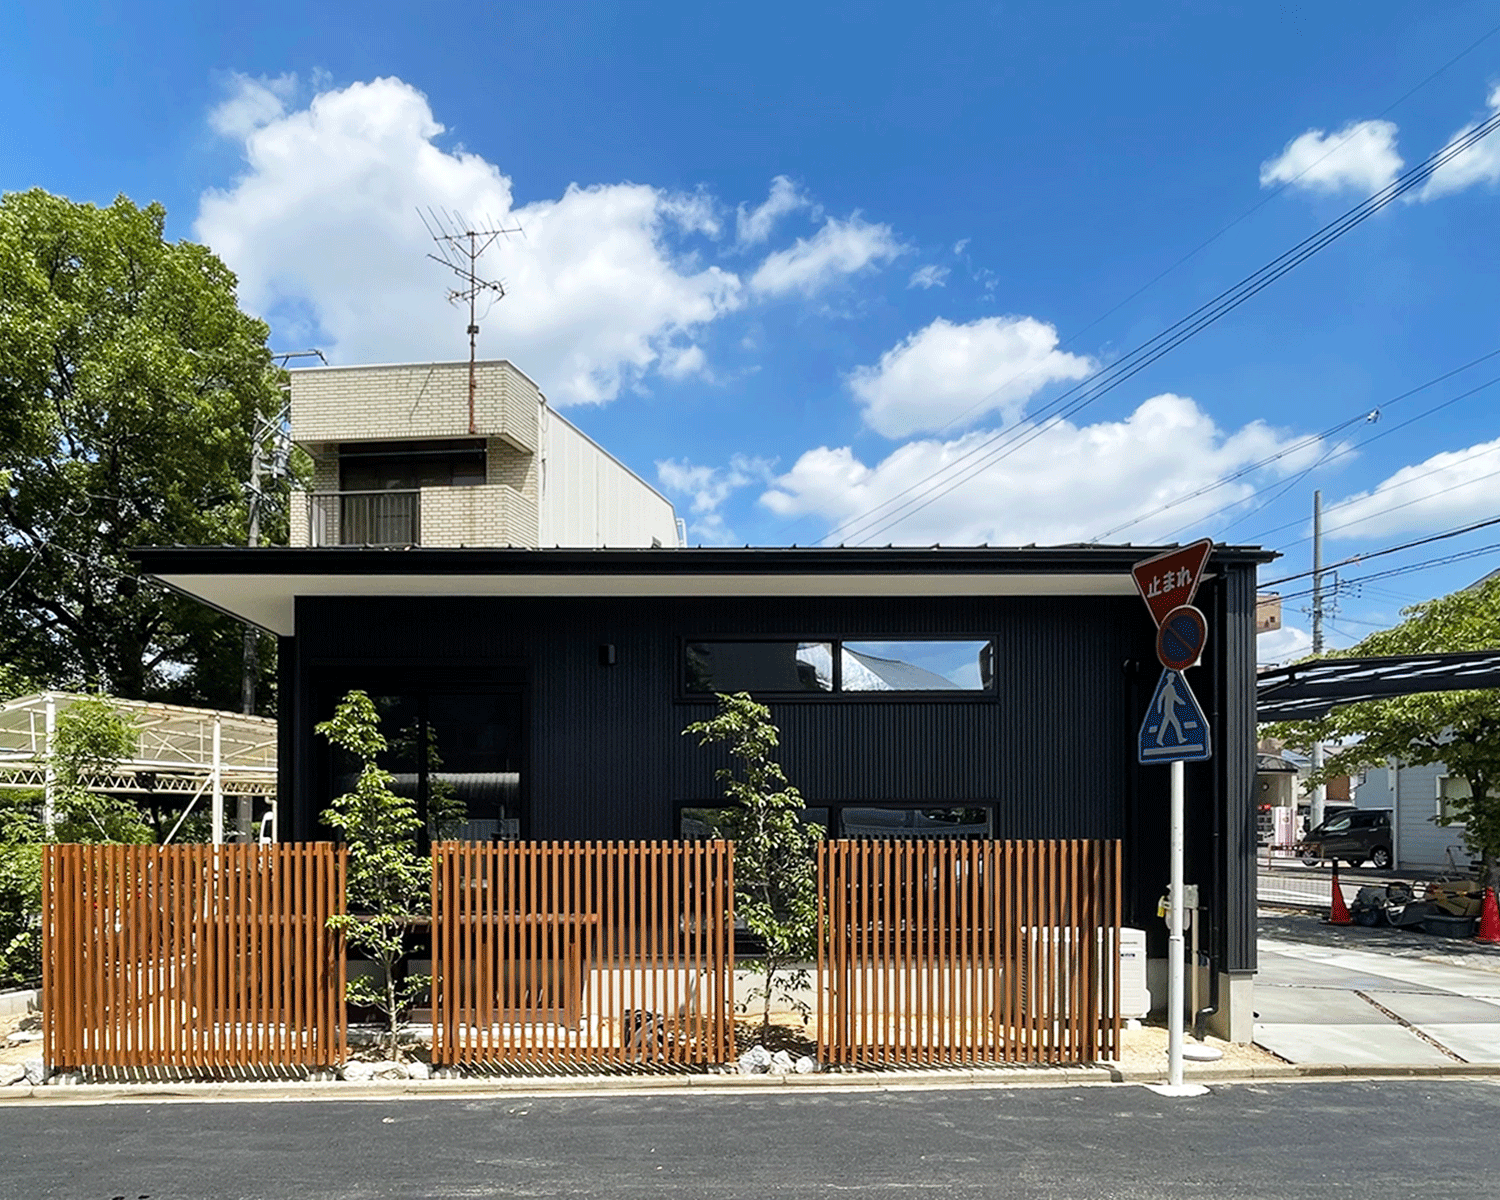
977,691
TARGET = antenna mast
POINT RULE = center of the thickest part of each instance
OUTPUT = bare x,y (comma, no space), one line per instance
459,249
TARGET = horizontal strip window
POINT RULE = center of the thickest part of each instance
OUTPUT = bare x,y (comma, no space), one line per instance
839,667
869,820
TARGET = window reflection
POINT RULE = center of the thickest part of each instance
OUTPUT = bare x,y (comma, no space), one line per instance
759,667
915,665
456,755
914,822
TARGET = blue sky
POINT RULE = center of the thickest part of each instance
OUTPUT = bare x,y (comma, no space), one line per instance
791,261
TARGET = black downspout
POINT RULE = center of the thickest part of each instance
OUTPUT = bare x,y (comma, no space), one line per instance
1216,837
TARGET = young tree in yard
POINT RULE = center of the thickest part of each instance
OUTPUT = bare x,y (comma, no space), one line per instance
1460,729
131,386
775,876
388,881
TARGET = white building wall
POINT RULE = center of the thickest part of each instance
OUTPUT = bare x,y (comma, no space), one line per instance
1411,793
589,498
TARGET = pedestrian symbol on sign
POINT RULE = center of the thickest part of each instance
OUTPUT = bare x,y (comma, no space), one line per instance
1175,729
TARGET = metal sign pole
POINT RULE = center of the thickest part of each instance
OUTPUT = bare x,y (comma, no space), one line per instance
1175,731
1174,934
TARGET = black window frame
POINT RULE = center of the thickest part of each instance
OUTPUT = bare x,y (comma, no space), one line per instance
837,694
834,810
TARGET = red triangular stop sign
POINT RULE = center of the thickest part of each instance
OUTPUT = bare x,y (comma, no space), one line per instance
1171,579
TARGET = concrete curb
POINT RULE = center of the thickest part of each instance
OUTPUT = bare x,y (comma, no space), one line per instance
256,1091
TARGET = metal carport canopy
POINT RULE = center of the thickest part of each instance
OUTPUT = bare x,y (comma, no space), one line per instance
1307,691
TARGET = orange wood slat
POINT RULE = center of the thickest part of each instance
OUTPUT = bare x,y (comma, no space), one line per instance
961,952
192,956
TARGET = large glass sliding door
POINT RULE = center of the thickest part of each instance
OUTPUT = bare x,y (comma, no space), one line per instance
458,753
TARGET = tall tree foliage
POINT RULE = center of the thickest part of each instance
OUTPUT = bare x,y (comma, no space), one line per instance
131,386
1460,729
775,876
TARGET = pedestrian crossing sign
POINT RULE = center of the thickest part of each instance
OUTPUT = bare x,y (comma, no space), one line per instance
1175,729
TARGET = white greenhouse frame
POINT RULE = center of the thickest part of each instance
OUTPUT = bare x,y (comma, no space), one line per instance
188,752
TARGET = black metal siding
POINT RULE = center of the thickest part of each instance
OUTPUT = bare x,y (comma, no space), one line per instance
1053,748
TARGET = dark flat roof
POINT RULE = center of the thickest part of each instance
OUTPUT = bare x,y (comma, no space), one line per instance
261,585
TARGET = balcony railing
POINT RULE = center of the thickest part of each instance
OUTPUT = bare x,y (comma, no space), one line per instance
389,518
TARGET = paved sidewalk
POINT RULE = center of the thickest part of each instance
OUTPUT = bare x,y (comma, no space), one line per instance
1375,997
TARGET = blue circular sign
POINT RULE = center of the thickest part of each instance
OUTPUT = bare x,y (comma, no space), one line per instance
1179,641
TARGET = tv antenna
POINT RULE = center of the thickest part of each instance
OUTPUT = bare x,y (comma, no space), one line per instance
459,249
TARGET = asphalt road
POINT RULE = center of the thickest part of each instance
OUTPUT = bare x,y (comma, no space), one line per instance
1344,1139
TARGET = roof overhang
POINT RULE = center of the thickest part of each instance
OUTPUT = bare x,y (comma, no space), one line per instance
261,586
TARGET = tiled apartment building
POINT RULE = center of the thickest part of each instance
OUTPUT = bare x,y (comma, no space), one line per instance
397,462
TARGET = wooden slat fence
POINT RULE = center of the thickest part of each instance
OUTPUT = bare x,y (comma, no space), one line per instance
940,952
583,954
216,958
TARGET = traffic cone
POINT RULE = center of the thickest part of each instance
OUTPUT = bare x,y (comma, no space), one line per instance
1489,920
1339,913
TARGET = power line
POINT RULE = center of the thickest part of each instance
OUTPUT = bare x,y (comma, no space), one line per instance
1271,195
1006,442
1392,572
1407,503
1357,558
1334,453
1223,480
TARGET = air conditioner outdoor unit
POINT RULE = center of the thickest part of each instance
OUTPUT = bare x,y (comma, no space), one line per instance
1047,971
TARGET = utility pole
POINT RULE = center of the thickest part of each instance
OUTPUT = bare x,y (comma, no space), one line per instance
251,662
274,431
1320,792
459,249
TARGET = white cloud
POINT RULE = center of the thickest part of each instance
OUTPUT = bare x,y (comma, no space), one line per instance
1452,488
323,233
1280,646
755,225
930,276
678,362
950,373
839,249
1360,157
1070,484
961,245
251,103
1480,163
707,488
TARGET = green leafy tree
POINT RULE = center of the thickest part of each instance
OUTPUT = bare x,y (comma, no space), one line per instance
131,386
1460,729
388,883
90,738
775,875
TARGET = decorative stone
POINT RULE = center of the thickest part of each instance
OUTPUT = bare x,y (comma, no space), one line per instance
36,1071
388,1069
781,1063
11,1073
418,1070
755,1061
359,1072
805,1066
21,1036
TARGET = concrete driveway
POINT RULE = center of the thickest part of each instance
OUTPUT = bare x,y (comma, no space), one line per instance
1374,997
